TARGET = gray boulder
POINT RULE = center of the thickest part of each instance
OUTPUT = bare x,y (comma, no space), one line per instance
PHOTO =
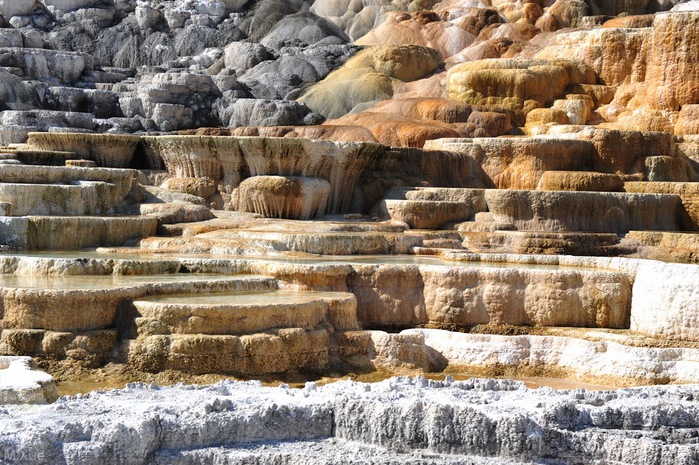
302,29
254,112
242,56
16,94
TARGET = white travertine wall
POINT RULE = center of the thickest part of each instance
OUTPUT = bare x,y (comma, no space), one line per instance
665,300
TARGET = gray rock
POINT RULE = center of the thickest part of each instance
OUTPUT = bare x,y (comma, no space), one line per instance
302,29
66,6
11,38
46,119
171,117
33,39
101,103
176,19
131,106
11,8
275,79
149,17
242,56
253,112
226,83
14,134
101,17
267,14
183,100
16,94
47,65
125,125
79,56
327,57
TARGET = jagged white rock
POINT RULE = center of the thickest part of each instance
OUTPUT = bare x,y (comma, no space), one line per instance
21,382
444,422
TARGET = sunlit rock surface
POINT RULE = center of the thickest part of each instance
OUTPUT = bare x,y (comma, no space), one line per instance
408,296
368,77
241,165
178,65
613,361
519,85
295,198
584,211
519,163
22,383
112,151
229,161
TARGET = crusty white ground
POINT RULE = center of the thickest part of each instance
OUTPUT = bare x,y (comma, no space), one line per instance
400,420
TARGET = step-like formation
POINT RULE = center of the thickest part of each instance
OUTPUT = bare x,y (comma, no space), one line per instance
557,127
67,191
67,207
243,333
106,150
40,318
432,207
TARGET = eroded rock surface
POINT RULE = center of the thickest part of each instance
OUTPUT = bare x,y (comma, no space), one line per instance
452,422
339,127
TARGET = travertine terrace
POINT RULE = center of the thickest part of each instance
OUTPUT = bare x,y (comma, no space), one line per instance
315,189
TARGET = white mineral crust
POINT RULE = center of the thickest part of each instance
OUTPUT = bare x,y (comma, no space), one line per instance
400,420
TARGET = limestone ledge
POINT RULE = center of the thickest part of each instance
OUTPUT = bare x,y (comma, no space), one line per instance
108,150
39,316
274,351
493,237
250,243
52,306
228,161
519,163
667,289
595,291
402,296
609,362
72,232
616,212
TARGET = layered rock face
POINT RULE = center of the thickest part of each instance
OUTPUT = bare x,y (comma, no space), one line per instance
166,66
229,161
467,297
229,155
136,68
284,197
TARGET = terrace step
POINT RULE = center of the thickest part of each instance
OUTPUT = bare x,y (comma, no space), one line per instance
244,313
82,198
76,315
72,232
45,157
53,190
245,333
667,246
432,207
425,214
598,212
539,242
176,213
242,242
274,351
